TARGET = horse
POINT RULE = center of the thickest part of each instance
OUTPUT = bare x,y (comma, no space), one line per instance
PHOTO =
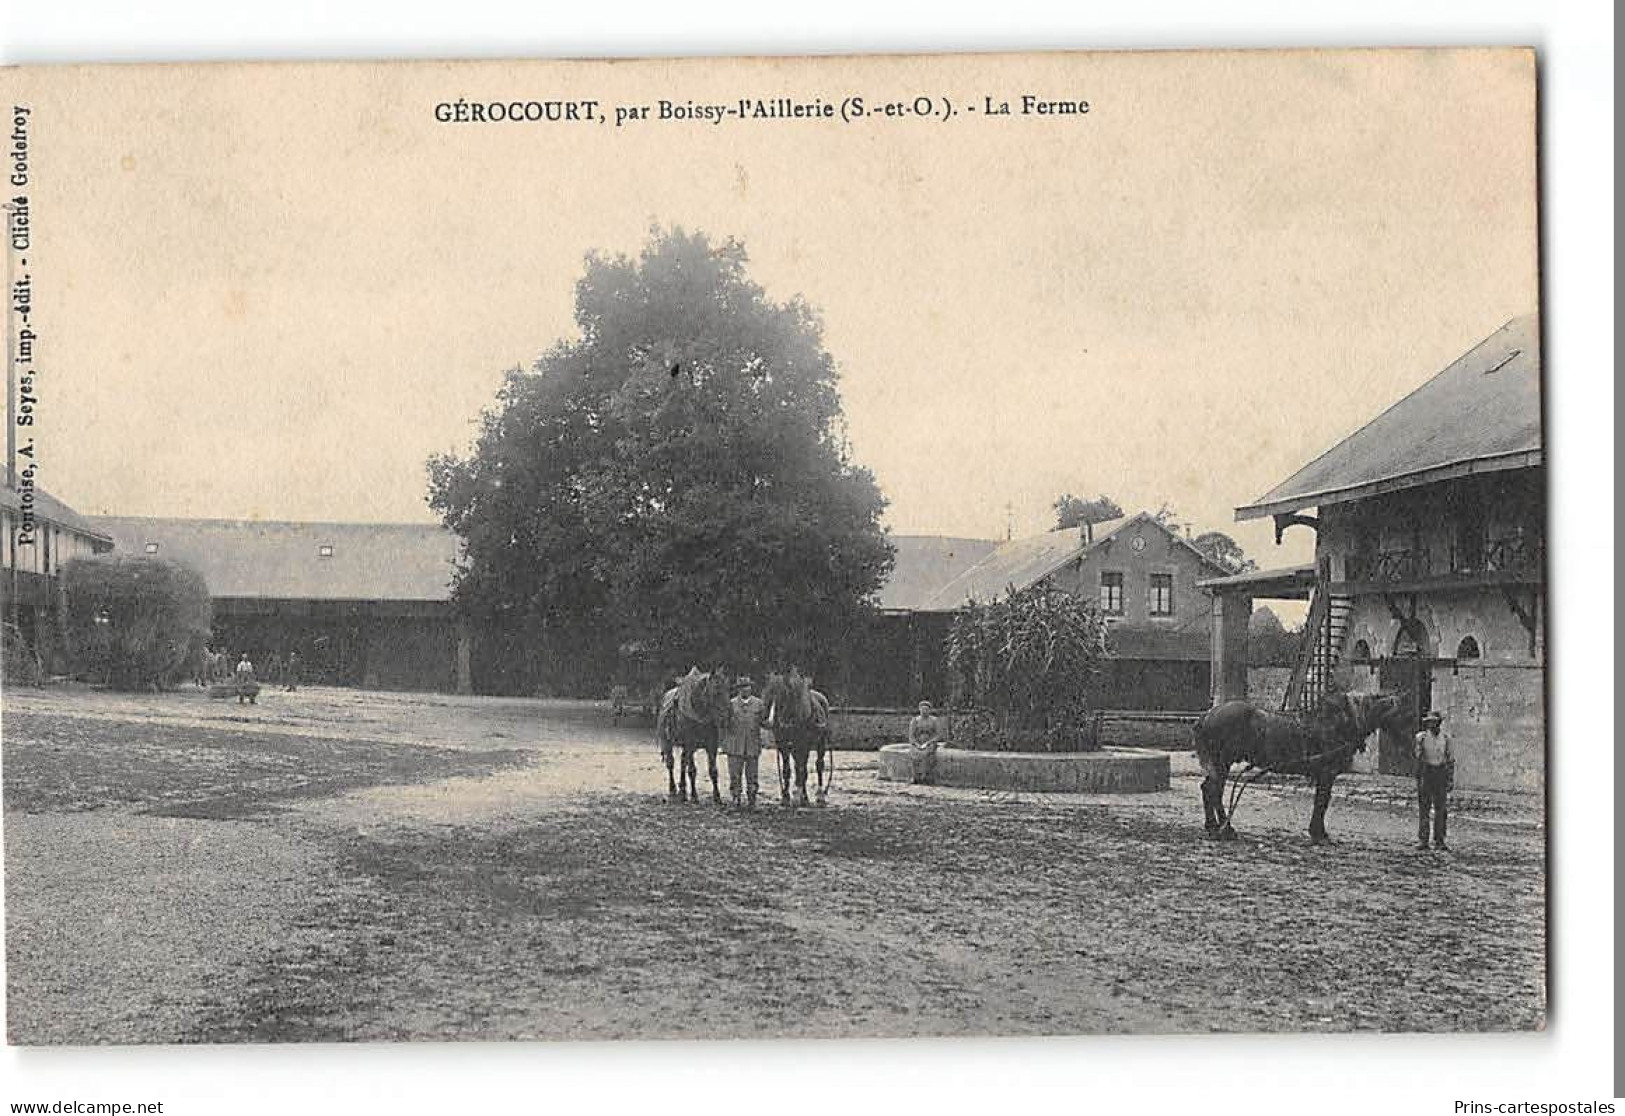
798,717
1320,746
693,715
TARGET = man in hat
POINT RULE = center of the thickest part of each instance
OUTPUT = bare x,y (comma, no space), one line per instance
743,741
1435,772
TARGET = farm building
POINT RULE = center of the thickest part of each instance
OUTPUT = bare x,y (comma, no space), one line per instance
1144,575
897,658
41,535
363,604
1429,563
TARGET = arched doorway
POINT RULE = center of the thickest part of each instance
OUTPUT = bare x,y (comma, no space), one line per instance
1408,670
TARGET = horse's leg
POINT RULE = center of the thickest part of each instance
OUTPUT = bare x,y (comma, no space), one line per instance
671,774
803,747
823,791
1215,773
1317,817
711,763
782,750
1221,779
691,769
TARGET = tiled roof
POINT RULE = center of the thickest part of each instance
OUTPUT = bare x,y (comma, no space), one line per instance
925,563
1021,563
1014,564
286,561
1481,413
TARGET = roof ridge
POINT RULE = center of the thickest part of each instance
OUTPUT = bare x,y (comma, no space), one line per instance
200,520
1262,498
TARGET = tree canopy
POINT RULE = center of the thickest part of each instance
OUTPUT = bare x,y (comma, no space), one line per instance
1269,643
1224,550
1077,511
675,478
136,622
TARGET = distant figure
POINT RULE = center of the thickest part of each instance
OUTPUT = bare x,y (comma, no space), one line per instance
247,689
1435,773
743,741
291,671
924,735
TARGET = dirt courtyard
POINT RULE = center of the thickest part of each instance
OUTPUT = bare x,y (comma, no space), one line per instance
335,865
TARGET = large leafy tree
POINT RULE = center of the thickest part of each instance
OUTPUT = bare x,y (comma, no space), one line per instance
675,479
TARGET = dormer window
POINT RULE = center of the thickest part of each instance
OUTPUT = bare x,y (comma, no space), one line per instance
151,548
325,550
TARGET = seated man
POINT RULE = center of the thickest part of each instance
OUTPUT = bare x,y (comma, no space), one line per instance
924,735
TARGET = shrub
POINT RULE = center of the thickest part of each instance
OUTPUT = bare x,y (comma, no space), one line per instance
20,664
1023,666
136,623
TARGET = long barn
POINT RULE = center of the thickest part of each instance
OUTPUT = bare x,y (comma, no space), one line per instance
363,604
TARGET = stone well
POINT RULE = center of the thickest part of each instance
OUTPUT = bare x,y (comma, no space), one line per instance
1108,771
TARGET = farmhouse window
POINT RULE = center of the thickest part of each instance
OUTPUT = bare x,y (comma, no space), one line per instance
1111,593
324,551
1160,596
151,548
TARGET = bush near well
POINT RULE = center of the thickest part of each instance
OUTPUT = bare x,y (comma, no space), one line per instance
136,623
1023,667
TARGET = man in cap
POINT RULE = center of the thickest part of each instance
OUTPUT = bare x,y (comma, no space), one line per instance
1435,772
743,741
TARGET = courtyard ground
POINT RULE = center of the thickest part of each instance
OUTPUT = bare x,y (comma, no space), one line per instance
332,865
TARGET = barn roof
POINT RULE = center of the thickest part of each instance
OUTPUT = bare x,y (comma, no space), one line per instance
285,561
1482,413
48,507
1021,563
925,563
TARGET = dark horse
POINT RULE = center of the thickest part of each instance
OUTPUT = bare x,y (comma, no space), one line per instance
1320,746
798,717
693,715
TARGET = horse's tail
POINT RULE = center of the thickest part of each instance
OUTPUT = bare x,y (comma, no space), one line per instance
663,722
1200,743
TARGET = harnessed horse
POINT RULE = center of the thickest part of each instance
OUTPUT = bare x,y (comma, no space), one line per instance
798,717
693,715
1320,746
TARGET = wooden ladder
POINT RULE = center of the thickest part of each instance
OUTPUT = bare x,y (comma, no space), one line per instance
1319,651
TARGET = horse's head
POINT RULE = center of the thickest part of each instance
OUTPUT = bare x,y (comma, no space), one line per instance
1381,710
787,697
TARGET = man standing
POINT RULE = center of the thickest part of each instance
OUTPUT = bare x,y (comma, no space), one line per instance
924,735
743,741
1435,772
247,689
293,671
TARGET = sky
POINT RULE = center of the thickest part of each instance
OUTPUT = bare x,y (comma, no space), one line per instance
272,291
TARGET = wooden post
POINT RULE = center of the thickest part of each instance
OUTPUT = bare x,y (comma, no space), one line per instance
1231,613
465,657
